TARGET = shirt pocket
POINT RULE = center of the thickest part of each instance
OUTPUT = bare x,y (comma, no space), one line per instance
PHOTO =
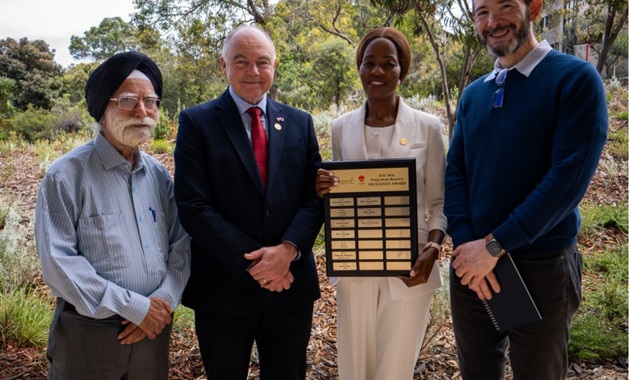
103,241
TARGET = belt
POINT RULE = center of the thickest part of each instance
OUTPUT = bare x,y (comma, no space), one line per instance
67,306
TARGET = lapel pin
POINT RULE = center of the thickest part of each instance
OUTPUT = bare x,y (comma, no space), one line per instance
277,126
403,141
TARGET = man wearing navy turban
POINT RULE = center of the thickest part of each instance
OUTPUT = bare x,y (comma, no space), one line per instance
108,237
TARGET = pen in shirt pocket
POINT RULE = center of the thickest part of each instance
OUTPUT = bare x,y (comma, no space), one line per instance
153,213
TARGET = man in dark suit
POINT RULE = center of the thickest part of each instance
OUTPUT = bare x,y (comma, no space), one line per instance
245,190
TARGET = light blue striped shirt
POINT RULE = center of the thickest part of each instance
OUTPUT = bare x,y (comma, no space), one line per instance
108,238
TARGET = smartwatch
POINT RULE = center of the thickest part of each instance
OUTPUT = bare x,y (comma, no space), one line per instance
495,248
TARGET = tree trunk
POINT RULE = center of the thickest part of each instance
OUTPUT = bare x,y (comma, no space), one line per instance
611,32
438,55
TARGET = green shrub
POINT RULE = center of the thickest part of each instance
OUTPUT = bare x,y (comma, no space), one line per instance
618,143
593,338
597,217
12,142
161,146
25,318
599,329
165,128
32,125
162,130
184,320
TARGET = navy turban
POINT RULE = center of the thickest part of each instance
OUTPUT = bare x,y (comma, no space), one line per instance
105,80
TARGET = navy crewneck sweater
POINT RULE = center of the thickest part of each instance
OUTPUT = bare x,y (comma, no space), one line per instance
520,171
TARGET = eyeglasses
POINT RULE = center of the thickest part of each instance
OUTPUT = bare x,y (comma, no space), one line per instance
129,103
497,97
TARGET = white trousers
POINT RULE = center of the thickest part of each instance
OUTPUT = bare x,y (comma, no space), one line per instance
378,338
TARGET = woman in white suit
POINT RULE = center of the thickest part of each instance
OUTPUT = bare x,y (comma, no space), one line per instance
381,321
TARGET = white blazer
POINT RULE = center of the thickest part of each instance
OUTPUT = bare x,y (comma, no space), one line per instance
416,134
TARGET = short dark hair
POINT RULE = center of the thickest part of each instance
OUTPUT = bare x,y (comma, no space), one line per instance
397,38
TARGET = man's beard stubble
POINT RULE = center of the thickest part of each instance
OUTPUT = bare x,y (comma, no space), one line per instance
520,35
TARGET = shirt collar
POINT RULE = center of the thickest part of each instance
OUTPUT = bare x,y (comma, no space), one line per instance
243,105
111,158
526,65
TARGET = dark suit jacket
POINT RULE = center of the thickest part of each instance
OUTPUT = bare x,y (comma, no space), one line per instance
226,211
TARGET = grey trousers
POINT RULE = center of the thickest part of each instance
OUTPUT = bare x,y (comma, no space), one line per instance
537,351
85,348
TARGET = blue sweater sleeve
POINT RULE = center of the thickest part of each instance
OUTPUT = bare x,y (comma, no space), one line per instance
581,124
456,205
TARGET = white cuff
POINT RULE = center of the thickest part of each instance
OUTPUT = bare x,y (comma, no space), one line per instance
434,245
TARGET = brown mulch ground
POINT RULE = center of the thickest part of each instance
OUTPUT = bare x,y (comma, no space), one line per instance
20,176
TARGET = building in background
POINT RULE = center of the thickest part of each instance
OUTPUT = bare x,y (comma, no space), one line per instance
571,26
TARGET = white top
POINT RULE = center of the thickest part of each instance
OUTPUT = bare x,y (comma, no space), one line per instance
378,140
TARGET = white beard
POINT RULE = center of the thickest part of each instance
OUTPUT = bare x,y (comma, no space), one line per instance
127,131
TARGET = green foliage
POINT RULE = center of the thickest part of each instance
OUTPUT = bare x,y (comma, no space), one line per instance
327,79
7,90
25,317
165,128
12,143
161,146
73,83
30,64
618,140
597,217
161,131
600,23
599,329
31,125
612,264
591,338
113,35
184,320
46,154
36,124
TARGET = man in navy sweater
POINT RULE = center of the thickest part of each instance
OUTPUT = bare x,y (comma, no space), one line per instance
527,141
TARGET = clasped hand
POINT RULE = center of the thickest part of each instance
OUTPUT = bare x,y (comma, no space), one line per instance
270,266
474,264
158,317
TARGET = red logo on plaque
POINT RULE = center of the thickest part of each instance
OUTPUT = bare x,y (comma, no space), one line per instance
361,178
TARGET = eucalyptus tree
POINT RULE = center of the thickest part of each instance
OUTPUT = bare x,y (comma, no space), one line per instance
113,35
603,21
31,65
442,22
164,14
317,40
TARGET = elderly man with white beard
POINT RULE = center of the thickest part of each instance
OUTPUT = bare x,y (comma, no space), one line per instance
109,240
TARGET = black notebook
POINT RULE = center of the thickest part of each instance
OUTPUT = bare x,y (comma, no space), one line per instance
513,306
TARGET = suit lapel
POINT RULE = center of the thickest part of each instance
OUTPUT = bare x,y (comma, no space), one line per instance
355,135
276,132
404,131
231,122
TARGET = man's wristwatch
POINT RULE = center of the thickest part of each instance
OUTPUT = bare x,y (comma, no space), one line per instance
495,248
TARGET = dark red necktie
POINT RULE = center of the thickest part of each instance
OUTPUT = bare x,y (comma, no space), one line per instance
259,143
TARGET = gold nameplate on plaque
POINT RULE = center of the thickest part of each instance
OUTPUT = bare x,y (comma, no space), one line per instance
371,219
